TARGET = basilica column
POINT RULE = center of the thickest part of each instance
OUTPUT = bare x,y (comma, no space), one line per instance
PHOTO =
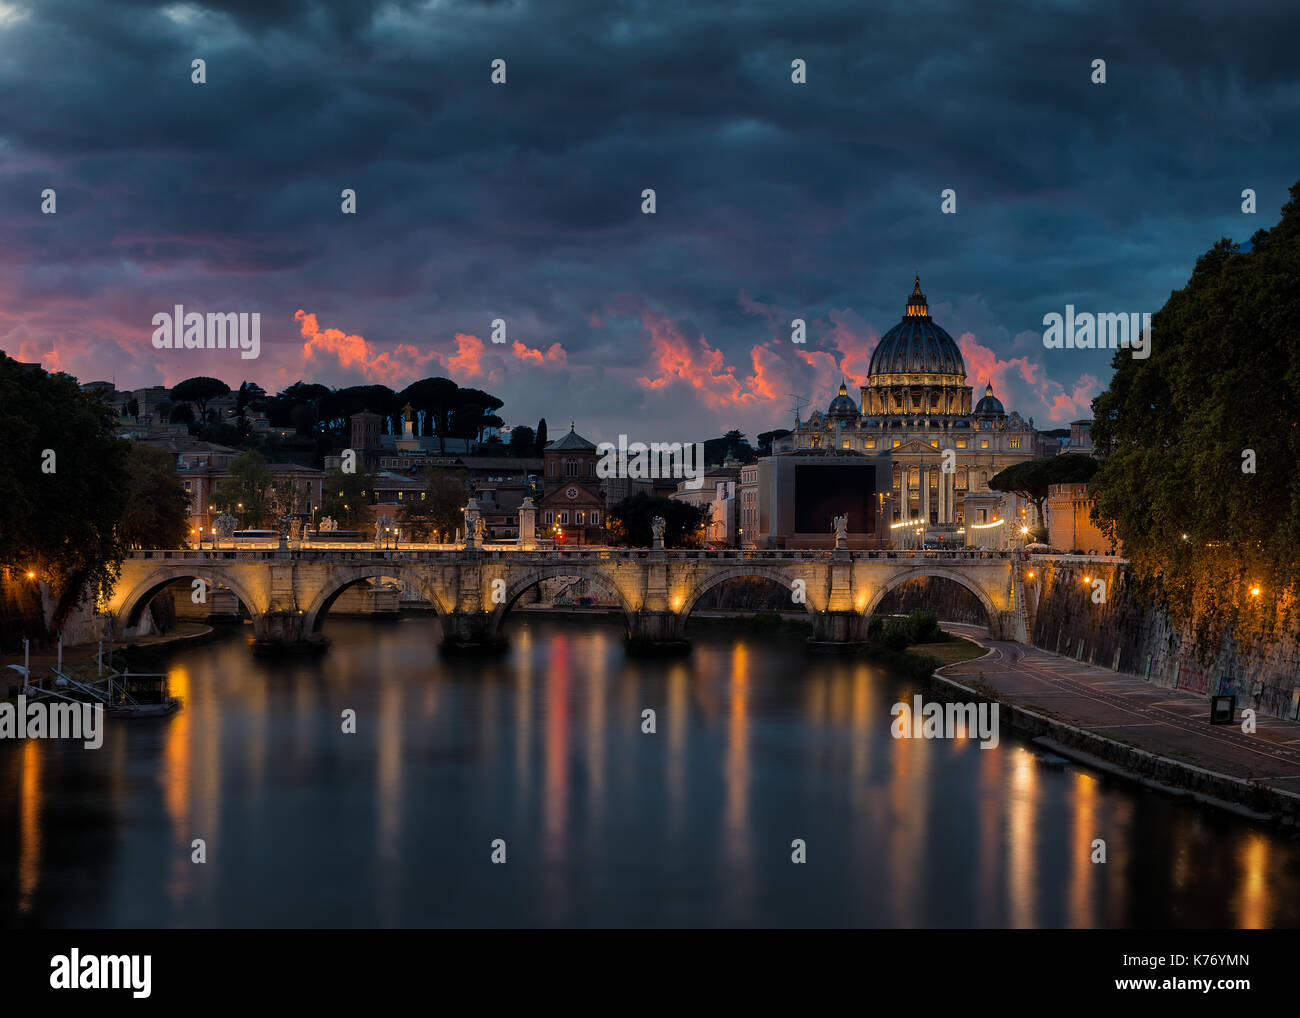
943,497
925,493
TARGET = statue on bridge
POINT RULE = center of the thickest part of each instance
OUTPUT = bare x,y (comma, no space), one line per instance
840,524
657,527
226,525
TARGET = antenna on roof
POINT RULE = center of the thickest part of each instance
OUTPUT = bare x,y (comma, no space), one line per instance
799,402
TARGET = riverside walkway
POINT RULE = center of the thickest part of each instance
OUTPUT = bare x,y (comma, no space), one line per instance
1124,724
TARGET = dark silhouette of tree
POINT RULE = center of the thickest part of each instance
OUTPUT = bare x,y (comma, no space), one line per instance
199,390
157,505
629,522
522,440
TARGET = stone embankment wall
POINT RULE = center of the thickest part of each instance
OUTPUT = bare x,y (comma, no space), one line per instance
1126,635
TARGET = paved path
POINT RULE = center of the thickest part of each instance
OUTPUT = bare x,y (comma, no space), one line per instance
1169,722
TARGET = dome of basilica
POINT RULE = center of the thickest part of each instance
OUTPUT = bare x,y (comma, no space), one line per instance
916,345
990,405
842,405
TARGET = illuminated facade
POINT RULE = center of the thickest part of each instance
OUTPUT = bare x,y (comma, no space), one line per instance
914,406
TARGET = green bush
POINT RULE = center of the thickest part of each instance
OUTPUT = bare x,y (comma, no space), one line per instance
923,627
897,634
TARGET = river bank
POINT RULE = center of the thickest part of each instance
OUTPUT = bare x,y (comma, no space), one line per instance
1131,729
83,655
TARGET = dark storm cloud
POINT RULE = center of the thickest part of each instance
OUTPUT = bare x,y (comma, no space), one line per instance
522,201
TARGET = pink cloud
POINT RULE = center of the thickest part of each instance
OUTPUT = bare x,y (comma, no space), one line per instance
473,358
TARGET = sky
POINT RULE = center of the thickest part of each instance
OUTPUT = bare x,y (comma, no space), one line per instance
523,201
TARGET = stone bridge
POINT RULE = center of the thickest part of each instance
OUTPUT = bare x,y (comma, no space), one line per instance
288,591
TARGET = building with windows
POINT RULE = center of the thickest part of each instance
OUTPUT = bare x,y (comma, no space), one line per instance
916,407
573,504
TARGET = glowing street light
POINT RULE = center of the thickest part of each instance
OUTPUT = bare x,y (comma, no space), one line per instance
1254,592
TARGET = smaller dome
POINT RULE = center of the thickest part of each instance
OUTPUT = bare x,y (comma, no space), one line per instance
990,405
842,405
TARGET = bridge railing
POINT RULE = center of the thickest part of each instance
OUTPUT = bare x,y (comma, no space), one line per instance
436,553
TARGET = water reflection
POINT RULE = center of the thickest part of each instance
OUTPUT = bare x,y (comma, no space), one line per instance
755,745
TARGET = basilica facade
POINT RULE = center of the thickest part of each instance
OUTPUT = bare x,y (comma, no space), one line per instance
914,406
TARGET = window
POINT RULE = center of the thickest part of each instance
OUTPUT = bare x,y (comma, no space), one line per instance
934,443
961,443
844,443
564,518
595,518
897,443
1015,441
984,443
868,443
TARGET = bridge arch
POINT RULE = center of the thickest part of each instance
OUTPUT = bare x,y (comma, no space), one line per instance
938,572
782,575
342,579
518,584
128,614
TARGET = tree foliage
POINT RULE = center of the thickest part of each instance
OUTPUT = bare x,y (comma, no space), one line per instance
199,390
522,440
246,493
440,511
1031,479
629,522
64,478
157,506
1200,441
346,496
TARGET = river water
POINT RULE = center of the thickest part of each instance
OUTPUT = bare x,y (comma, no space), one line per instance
756,745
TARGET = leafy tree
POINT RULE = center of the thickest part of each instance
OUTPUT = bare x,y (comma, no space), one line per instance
733,443
157,505
132,408
540,444
438,399
60,509
1031,479
199,390
629,522
1199,443
303,418
346,496
768,438
181,414
439,510
522,440
246,493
